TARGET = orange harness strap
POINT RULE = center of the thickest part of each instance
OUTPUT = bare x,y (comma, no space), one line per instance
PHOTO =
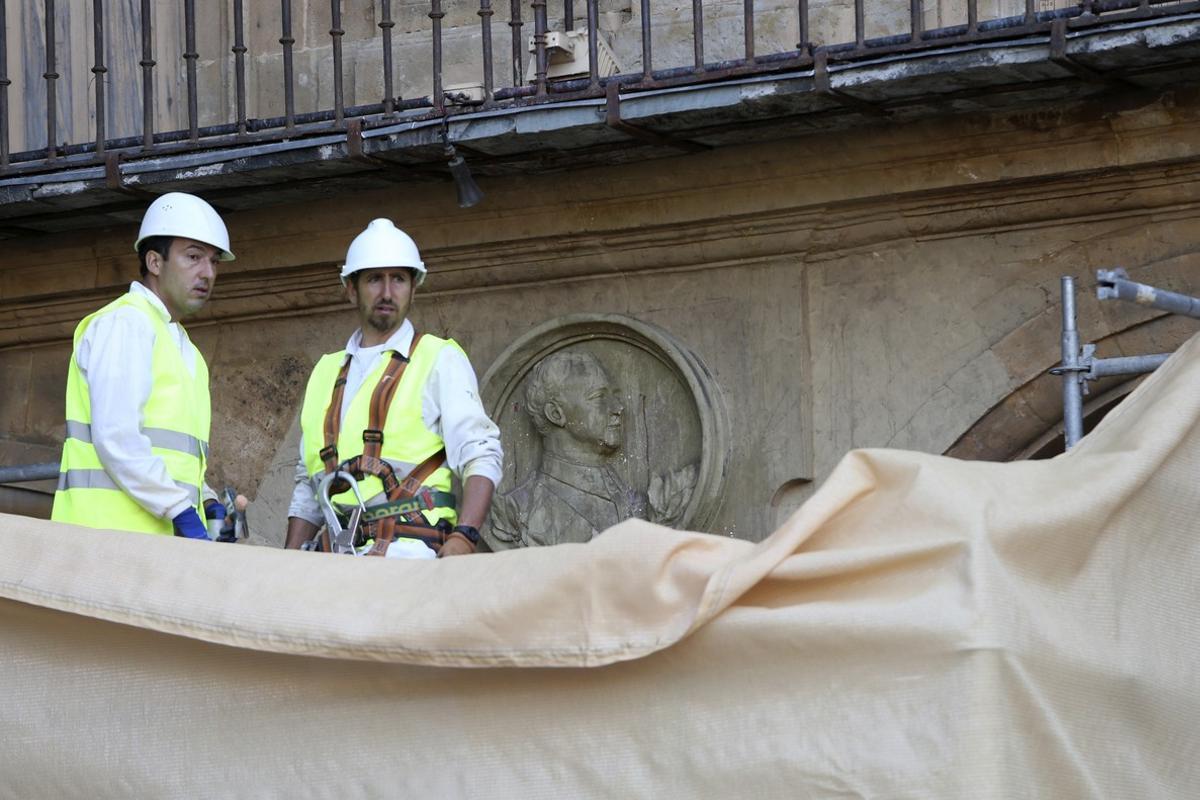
333,419
371,462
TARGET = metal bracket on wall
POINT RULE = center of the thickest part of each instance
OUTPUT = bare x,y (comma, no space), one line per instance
612,116
821,84
391,170
354,145
115,181
1060,56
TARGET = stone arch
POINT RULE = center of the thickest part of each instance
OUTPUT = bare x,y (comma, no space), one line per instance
1028,423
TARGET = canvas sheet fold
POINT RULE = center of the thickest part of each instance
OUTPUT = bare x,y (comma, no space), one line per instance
922,627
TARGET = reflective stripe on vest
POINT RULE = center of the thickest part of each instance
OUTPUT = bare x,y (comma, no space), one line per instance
99,479
406,440
159,437
175,418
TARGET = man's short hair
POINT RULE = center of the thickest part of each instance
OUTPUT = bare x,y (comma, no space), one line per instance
547,379
159,244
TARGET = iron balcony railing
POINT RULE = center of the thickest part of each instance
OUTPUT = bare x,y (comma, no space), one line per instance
810,51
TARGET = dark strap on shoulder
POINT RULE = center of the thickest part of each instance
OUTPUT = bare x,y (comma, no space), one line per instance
407,522
415,480
381,400
333,418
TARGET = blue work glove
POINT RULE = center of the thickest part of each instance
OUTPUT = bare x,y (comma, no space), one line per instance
189,525
214,511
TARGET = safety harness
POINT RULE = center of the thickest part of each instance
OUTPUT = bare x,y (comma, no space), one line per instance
406,497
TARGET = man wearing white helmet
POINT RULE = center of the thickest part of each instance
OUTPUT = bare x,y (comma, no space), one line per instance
137,388
400,411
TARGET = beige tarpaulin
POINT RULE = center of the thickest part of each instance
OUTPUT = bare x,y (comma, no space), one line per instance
923,627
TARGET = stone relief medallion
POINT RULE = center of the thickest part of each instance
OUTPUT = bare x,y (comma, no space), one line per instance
603,417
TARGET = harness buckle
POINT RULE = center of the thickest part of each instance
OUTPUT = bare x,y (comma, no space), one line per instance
341,539
426,498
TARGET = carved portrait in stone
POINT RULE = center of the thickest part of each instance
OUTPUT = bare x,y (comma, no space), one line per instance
597,429
575,492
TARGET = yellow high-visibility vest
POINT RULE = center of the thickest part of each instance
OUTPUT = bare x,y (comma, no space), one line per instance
176,419
406,440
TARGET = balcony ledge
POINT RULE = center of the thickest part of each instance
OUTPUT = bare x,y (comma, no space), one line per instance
1121,63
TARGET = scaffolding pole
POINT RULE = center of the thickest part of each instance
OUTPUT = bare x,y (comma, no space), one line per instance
1114,284
1070,369
1129,365
20,473
1080,365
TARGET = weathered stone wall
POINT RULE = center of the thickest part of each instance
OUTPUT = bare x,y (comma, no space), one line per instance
885,288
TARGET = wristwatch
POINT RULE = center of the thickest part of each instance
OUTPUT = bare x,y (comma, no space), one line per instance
471,534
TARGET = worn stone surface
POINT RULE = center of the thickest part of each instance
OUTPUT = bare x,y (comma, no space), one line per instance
15,376
267,513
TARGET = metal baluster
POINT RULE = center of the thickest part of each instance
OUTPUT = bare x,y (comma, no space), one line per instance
568,15
98,69
518,52
593,15
805,45
972,16
147,65
190,55
859,25
748,28
647,68
4,84
698,34
336,33
539,43
51,76
289,89
436,14
485,29
386,25
1029,12
918,24
239,63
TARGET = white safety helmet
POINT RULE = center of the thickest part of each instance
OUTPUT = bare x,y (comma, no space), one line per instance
382,244
187,217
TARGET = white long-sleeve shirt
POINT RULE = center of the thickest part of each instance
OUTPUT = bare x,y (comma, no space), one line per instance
450,407
116,355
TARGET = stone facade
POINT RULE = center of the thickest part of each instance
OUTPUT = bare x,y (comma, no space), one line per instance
896,286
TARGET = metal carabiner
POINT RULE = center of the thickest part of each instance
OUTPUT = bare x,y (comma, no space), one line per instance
341,540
